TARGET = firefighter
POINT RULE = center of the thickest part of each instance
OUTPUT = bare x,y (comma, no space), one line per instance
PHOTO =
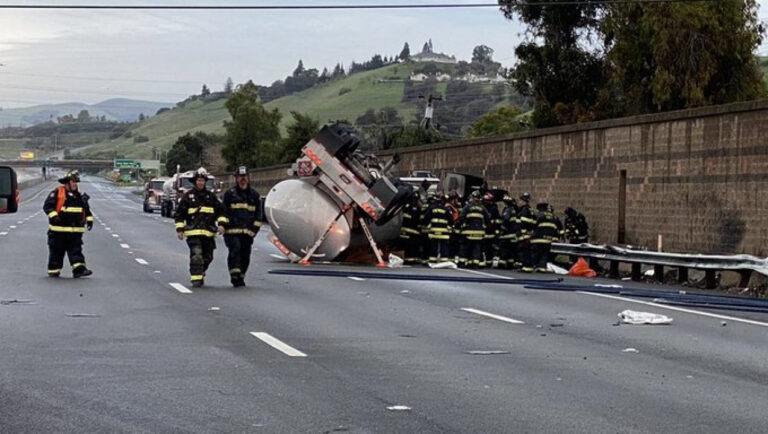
576,227
527,222
424,243
68,216
490,245
438,220
510,228
410,233
473,221
453,204
197,215
243,207
546,231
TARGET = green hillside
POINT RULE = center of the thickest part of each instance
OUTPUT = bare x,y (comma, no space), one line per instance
343,99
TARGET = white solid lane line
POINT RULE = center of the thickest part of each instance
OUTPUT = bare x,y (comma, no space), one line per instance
491,315
125,246
141,261
278,344
679,309
181,288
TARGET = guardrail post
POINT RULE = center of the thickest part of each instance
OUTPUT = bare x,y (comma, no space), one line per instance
594,264
682,274
658,273
745,275
710,279
614,270
637,271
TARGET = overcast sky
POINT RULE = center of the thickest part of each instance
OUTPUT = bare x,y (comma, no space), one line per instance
51,56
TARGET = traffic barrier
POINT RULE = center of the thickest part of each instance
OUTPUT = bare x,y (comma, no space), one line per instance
710,264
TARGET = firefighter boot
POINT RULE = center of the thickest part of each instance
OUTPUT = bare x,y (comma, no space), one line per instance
81,271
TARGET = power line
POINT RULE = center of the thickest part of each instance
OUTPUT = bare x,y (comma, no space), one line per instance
338,7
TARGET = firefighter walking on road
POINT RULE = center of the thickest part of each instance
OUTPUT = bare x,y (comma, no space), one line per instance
197,215
68,216
243,208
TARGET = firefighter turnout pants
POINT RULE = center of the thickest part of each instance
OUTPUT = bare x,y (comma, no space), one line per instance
239,257
540,251
200,256
61,243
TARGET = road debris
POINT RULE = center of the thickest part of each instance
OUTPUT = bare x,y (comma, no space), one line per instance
83,315
395,261
440,265
552,268
16,301
642,318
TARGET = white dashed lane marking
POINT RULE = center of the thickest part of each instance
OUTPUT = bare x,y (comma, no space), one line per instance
141,261
179,287
491,315
278,344
125,246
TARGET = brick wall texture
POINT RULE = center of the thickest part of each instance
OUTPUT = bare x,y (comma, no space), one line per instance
698,178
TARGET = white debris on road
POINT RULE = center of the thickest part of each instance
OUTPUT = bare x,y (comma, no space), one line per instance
641,318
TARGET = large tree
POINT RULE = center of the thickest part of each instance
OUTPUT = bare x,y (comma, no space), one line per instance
187,152
670,56
253,133
593,60
300,131
554,66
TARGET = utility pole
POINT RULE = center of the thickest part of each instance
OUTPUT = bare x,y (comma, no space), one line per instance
427,123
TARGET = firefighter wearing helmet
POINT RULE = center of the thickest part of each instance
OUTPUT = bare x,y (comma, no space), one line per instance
68,216
198,214
243,207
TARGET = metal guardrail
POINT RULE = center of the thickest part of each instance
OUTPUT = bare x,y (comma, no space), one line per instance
743,264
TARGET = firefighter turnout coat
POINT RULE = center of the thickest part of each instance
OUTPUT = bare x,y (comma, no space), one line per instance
198,214
243,209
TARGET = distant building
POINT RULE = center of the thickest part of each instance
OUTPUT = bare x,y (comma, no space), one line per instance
419,77
428,55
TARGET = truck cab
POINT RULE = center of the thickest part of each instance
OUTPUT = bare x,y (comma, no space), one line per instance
153,194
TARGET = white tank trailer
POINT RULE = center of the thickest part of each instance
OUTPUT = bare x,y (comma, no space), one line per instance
333,187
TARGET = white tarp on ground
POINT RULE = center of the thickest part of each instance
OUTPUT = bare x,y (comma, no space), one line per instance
640,318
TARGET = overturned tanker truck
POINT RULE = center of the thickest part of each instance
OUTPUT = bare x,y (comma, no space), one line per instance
339,203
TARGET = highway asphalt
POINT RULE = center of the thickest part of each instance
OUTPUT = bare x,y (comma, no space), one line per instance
135,349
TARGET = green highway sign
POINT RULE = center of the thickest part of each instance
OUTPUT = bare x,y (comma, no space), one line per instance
124,163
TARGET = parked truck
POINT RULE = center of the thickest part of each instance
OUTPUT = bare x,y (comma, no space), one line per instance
175,187
153,194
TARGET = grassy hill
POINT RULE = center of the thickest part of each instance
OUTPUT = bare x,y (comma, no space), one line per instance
343,99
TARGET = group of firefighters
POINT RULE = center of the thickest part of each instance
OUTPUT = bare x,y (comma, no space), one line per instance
199,217
478,235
